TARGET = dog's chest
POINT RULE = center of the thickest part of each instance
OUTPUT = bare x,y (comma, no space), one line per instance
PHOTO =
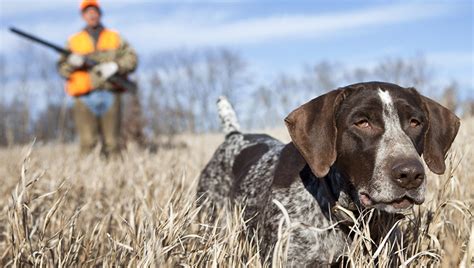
314,239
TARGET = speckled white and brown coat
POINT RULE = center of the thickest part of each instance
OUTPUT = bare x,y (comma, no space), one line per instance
357,146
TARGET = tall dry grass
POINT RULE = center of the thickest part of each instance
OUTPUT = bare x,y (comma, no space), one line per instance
59,209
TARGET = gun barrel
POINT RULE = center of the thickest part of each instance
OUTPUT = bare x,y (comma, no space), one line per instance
39,40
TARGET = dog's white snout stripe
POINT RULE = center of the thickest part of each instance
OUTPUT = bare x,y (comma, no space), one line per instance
394,143
385,97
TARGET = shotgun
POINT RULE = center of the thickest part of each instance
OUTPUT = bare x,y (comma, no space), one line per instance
116,79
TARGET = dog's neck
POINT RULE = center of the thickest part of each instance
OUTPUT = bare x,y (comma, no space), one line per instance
338,201
334,194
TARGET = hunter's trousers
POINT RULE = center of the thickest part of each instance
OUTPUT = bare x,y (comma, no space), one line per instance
104,127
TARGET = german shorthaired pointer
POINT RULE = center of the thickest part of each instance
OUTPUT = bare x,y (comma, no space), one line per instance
355,147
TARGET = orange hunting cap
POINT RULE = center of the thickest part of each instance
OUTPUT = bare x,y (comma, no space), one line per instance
89,3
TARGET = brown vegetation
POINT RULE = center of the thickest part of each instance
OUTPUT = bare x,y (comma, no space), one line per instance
62,210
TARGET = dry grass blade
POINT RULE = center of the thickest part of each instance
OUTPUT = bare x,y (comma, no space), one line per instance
418,255
141,212
384,241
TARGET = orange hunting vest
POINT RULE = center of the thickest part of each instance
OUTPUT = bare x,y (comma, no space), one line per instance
79,82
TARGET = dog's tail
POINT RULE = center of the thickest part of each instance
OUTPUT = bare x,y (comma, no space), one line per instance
227,115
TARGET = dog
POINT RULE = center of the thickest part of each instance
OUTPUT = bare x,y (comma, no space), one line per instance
356,147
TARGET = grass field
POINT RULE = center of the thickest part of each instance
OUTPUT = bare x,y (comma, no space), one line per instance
61,210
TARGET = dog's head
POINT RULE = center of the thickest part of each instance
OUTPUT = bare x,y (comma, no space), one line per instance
374,134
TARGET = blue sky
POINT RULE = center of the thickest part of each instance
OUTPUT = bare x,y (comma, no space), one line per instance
274,36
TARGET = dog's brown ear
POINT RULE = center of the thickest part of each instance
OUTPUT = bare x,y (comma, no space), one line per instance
443,125
312,128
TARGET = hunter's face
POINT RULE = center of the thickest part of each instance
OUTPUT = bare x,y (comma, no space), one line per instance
91,16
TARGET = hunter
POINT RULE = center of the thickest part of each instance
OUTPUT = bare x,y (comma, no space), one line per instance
97,102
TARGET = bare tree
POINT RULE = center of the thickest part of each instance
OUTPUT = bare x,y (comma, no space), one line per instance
53,125
262,117
179,88
3,104
359,74
392,70
406,72
449,96
468,108
188,83
21,119
47,124
319,78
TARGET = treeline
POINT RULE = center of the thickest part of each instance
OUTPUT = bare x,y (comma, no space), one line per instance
178,90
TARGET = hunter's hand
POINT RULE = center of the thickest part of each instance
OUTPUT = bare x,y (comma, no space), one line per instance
76,60
106,70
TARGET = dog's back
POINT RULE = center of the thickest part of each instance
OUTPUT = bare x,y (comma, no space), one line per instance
234,168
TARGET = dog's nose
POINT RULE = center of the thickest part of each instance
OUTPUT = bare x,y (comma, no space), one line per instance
408,174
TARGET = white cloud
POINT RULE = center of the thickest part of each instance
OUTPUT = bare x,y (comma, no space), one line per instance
198,30
206,27
194,26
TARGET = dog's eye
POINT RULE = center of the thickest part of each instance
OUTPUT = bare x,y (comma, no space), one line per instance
362,123
414,123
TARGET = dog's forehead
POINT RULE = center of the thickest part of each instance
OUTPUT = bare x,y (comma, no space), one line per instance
360,99
376,95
